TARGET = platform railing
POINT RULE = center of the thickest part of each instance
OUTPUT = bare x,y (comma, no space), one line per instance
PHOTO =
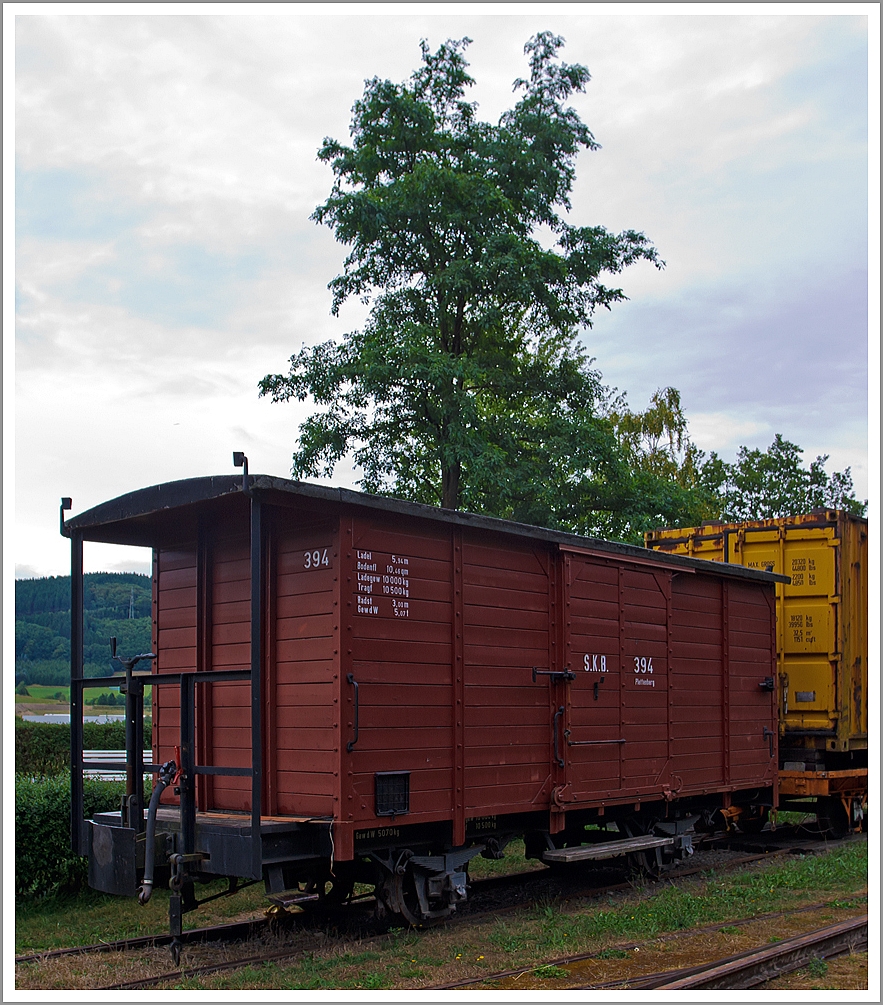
136,767
133,811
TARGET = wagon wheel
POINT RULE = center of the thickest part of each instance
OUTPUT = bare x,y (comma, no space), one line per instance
647,863
410,903
398,896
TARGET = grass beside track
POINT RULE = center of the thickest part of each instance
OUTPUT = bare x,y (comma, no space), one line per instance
408,959
90,918
530,937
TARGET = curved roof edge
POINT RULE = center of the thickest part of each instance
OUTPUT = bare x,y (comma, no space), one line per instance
189,491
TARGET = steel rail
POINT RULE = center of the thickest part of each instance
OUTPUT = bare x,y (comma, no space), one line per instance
233,931
213,968
825,942
753,967
629,947
241,931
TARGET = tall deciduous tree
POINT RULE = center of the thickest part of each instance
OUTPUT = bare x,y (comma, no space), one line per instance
671,481
467,386
773,482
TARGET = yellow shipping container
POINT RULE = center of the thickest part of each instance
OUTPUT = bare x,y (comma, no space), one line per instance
822,625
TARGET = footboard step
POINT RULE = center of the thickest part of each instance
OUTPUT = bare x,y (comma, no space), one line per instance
607,849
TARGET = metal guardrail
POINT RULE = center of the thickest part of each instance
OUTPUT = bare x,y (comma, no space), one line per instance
105,756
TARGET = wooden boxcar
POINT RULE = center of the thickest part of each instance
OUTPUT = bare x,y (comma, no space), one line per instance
351,688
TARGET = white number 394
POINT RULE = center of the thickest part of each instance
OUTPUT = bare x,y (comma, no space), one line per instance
643,664
314,559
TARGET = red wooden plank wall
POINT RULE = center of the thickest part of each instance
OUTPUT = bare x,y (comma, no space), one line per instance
697,681
507,599
751,659
229,705
175,631
669,663
304,659
397,599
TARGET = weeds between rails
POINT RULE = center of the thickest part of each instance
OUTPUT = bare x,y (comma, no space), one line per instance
123,914
622,951
351,945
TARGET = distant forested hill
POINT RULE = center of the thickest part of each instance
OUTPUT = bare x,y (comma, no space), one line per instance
115,603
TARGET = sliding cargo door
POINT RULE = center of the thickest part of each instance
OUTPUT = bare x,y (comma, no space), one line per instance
594,739
619,729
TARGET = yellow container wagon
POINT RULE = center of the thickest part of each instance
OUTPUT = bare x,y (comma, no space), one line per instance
822,645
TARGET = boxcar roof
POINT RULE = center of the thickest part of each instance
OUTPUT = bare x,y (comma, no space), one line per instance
139,517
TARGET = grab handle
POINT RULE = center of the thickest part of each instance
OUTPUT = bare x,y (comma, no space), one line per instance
351,743
555,718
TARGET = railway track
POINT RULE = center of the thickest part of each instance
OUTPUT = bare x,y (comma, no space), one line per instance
630,947
742,970
754,966
257,929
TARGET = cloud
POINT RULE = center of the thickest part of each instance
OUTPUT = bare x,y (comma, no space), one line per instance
166,260
724,432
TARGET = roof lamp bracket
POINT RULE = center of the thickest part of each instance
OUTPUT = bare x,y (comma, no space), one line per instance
66,503
241,461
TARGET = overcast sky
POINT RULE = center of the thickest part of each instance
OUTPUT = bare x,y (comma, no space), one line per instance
166,170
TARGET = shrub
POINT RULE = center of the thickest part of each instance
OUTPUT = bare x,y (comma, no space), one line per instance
44,862
43,749
22,689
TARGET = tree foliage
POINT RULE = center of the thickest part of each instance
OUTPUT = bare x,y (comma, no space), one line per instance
43,624
467,386
771,483
681,485
670,481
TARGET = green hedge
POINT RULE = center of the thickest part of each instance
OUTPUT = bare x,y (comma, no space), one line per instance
44,863
43,749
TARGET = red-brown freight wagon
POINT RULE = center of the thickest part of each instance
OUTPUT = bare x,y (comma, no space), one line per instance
352,688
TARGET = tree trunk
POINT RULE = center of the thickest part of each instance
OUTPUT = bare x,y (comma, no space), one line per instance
451,486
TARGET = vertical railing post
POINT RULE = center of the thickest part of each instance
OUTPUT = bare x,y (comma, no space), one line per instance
257,621
134,809
76,693
188,774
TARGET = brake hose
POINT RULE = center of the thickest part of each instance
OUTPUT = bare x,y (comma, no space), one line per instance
166,775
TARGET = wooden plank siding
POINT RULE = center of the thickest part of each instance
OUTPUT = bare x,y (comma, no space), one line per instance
306,635
506,632
440,627
399,611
